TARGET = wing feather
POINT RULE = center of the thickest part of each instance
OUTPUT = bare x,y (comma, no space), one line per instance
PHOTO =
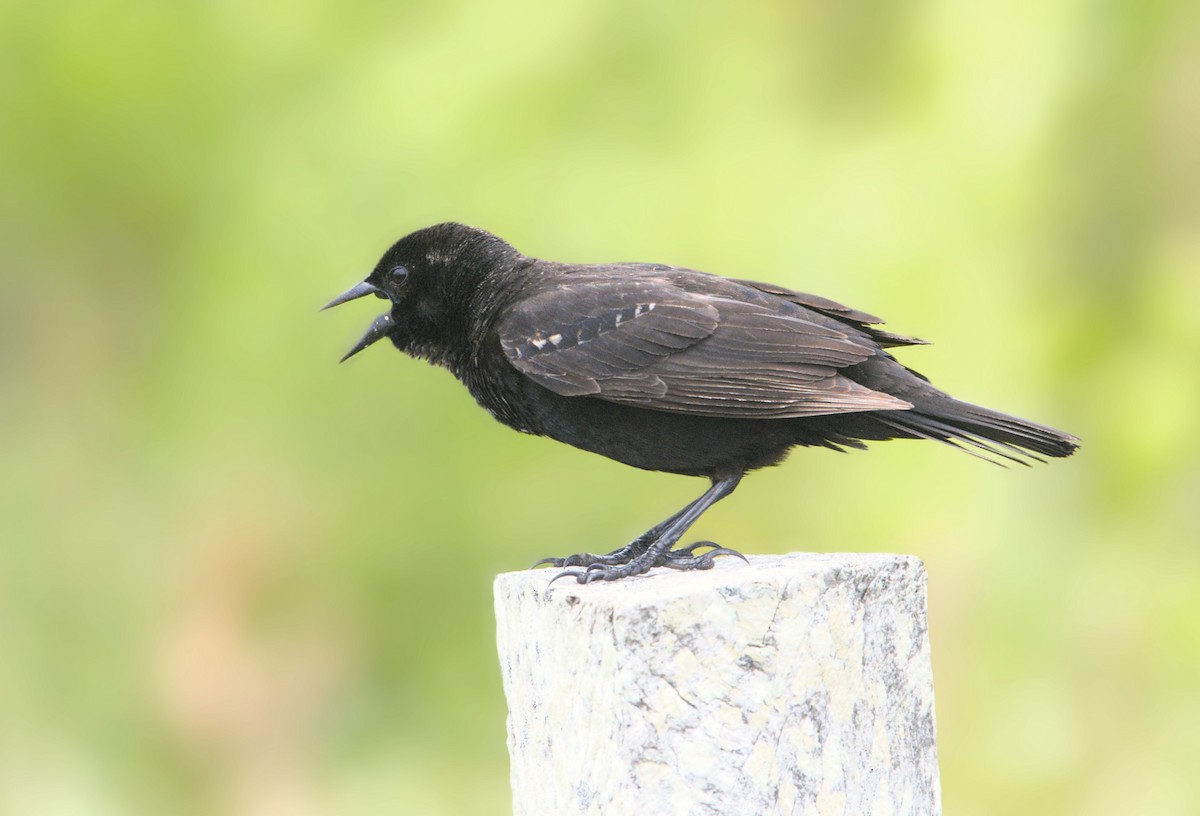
649,343
862,321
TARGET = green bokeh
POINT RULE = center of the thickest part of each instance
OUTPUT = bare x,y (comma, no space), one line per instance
238,578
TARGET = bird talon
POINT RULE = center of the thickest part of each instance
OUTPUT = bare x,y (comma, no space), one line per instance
683,552
595,572
577,560
578,575
683,559
725,551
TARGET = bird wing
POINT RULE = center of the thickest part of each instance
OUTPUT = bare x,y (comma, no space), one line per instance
649,343
861,321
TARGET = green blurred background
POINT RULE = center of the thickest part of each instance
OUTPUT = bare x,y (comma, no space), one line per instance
238,578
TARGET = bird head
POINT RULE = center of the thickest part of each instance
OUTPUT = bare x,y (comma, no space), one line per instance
428,277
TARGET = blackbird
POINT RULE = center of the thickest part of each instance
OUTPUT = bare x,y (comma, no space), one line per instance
665,369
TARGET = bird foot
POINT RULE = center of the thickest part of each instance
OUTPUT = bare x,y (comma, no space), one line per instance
587,559
622,556
605,572
577,560
683,558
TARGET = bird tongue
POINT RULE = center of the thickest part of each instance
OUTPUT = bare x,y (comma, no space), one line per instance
379,330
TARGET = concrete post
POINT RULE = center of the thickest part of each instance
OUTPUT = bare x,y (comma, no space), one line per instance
797,684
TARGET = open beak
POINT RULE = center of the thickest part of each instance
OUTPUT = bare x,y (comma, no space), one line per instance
379,330
353,293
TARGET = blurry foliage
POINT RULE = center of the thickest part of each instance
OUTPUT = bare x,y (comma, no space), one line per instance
238,578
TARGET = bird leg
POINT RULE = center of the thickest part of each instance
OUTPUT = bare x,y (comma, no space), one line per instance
660,539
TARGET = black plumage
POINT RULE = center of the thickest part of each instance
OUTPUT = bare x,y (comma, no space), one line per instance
665,369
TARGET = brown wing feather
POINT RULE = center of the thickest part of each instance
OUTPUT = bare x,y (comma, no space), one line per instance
862,321
648,343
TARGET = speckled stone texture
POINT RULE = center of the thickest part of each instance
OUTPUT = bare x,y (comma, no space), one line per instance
795,684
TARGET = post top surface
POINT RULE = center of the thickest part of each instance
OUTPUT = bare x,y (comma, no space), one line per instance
728,574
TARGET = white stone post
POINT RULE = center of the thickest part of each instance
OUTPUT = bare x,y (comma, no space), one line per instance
797,684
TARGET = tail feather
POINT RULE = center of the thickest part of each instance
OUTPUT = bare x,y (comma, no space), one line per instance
967,426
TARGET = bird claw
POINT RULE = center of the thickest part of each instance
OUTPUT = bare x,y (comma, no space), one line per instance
576,574
577,560
689,549
593,572
683,558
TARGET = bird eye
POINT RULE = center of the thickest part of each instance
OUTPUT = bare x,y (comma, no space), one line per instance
399,272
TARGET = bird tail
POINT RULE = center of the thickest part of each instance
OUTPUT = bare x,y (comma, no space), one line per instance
980,431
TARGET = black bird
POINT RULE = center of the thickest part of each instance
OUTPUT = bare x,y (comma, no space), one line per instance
665,369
